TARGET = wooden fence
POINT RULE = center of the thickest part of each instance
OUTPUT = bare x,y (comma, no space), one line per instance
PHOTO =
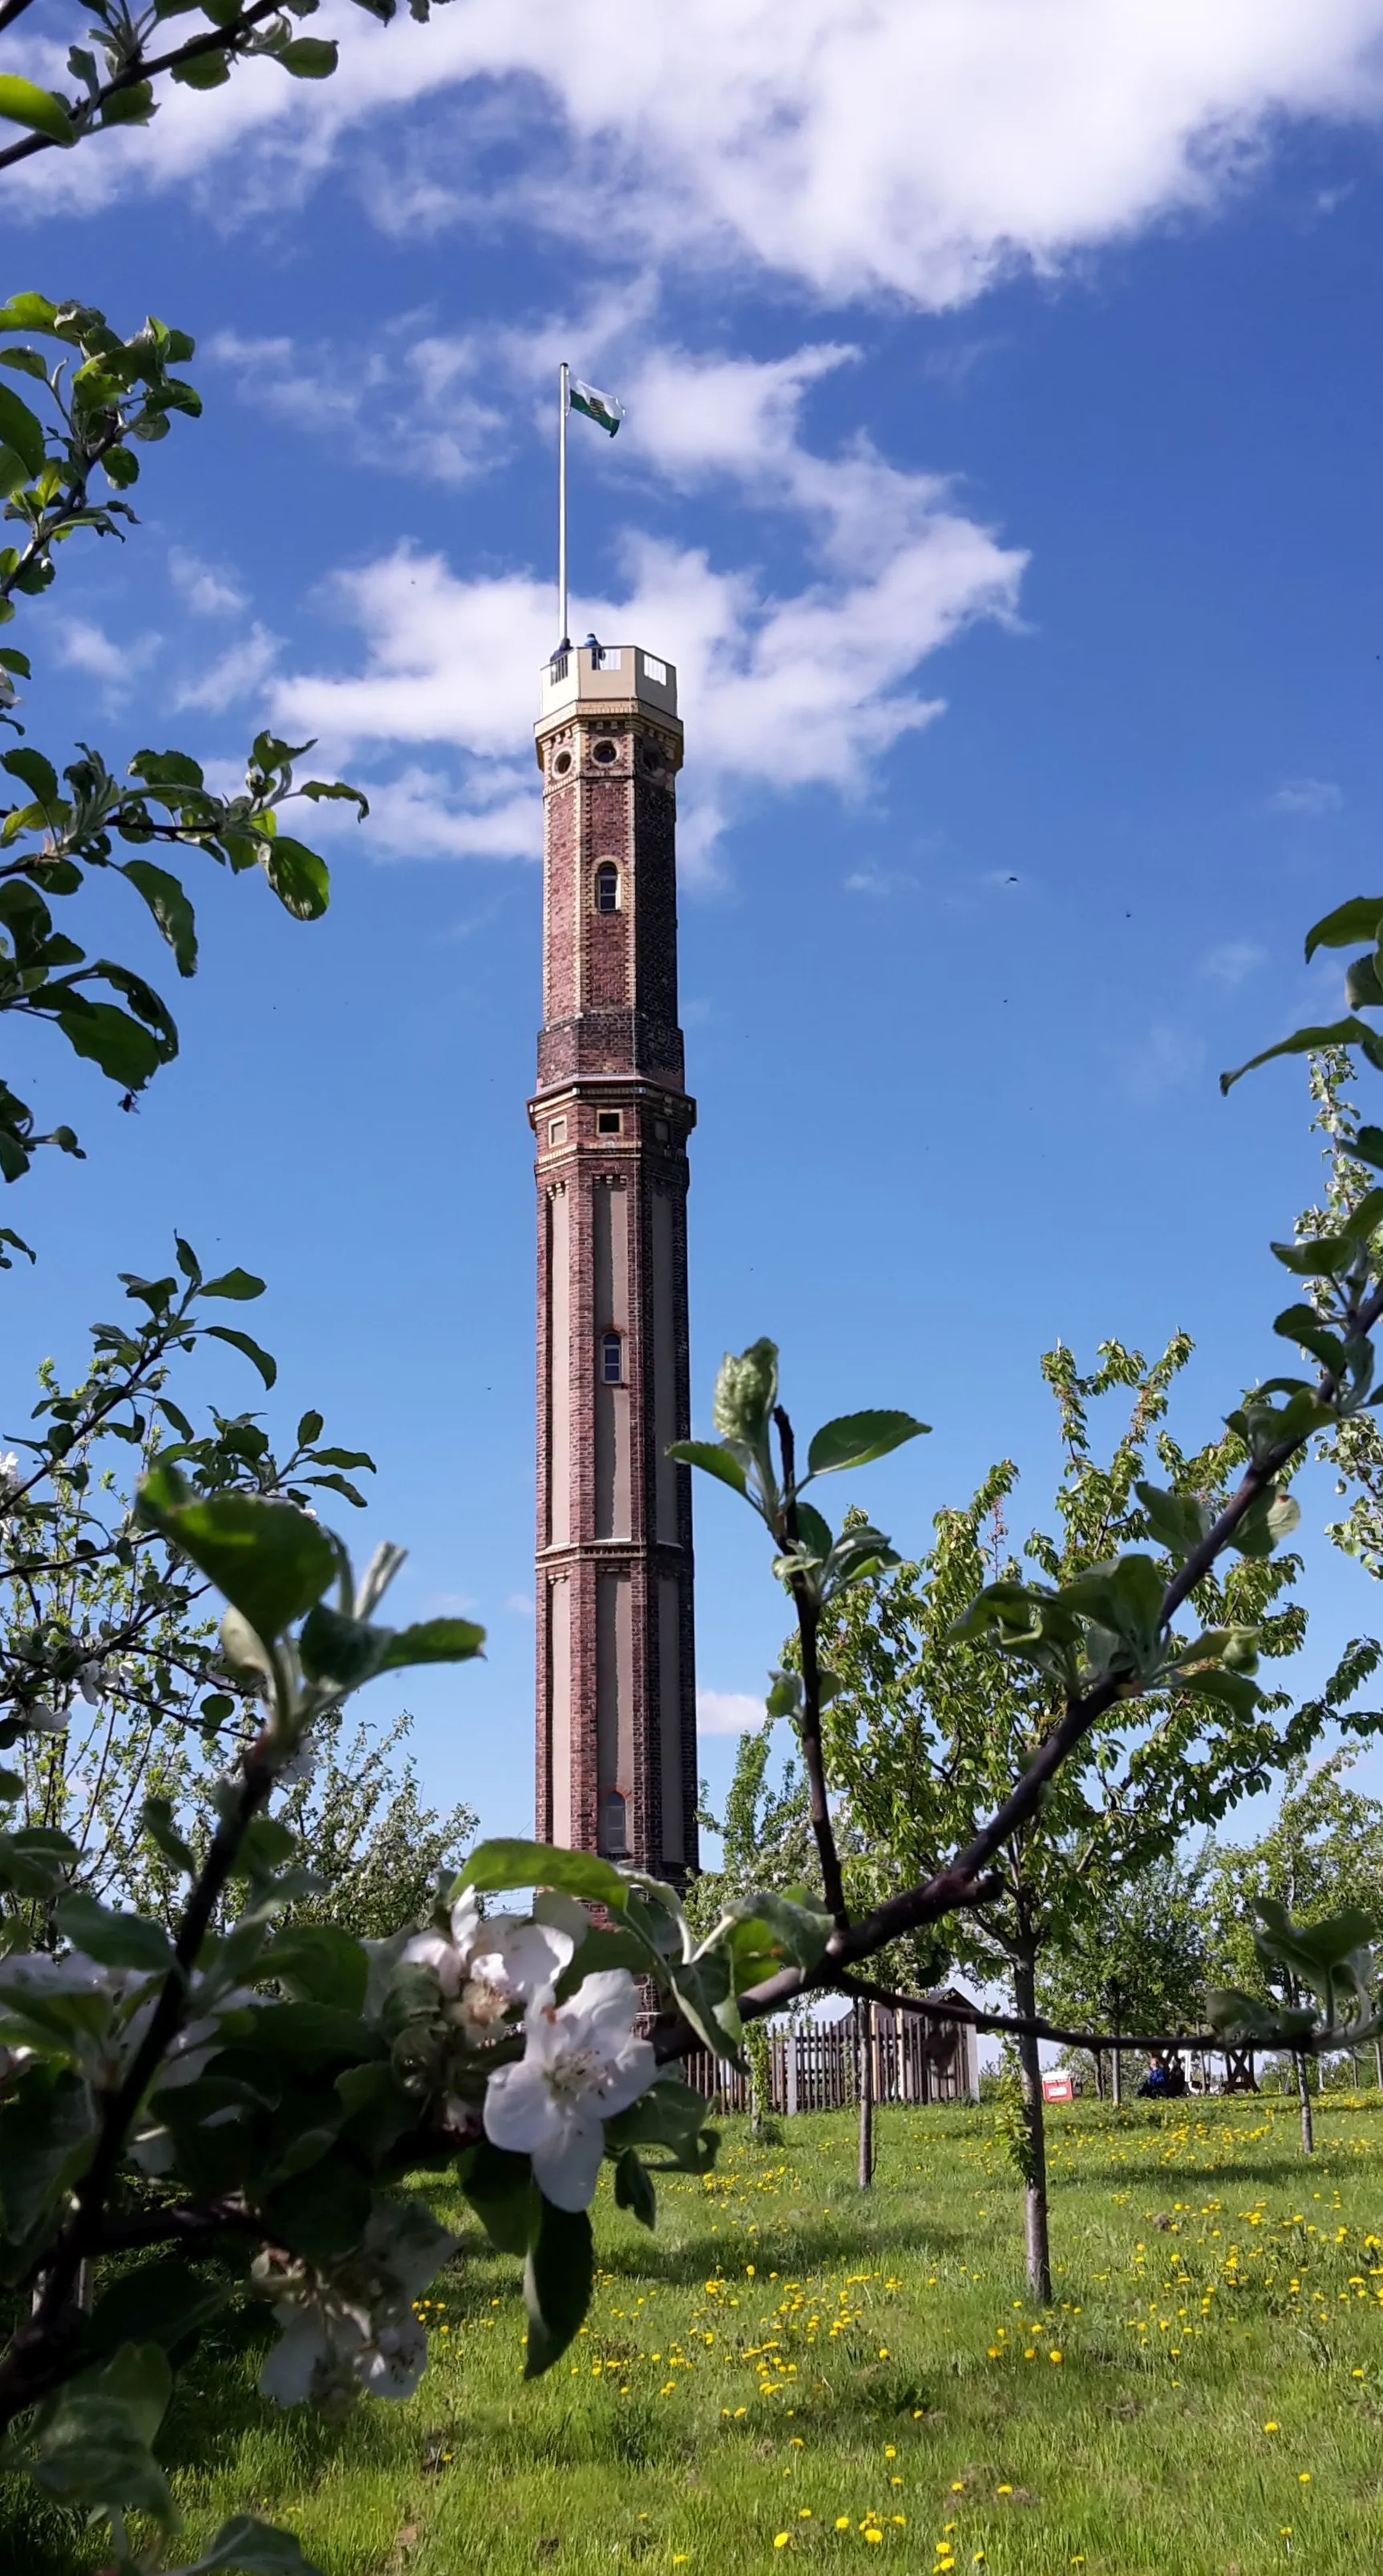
817,2067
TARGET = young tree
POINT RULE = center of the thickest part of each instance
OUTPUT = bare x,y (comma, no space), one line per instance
1323,1851
1133,1958
930,1713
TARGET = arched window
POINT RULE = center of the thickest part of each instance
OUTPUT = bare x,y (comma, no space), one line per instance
612,1359
607,887
613,1831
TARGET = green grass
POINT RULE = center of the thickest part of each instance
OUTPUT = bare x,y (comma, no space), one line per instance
788,2356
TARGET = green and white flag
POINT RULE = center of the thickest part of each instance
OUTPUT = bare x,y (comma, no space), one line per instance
601,408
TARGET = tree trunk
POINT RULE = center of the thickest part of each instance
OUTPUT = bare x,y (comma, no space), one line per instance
866,2049
1308,2126
1378,2063
1036,2244
1099,2074
1116,2065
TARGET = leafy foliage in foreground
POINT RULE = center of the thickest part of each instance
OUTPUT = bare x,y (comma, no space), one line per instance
102,400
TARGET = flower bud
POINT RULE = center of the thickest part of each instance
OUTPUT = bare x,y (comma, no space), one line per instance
746,1390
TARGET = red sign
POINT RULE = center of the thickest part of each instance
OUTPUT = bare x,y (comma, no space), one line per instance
1058,2088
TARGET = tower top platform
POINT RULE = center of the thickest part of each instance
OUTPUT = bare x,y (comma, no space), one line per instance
599,676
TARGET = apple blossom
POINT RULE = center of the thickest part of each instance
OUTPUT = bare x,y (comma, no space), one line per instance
581,2064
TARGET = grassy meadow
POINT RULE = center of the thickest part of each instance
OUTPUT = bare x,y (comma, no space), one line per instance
791,2372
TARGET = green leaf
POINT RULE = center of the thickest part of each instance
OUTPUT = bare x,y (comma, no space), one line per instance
299,878
557,2281
1178,1521
1360,918
504,2196
1349,1032
20,428
855,1439
1367,1146
170,908
1271,1517
433,1641
309,1429
334,1648
116,1940
29,313
1211,1681
633,2190
1362,988
255,2548
266,1365
161,2302
269,1559
1318,1257
132,105
156,1816
21,103
319,1963
241,1284
125,1052
166,769
709,1455
121,467
38,774
307,58
506,1862
26,362
47,2131
90,2443
202,71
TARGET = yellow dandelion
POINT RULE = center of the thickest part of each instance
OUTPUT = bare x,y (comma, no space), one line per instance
780,2539
1303,2477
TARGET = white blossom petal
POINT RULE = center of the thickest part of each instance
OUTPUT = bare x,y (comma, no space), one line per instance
567,2169
290,2368
519,2109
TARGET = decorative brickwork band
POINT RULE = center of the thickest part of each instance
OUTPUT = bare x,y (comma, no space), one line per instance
616,1714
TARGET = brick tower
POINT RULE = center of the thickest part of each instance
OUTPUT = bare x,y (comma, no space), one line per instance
616,1669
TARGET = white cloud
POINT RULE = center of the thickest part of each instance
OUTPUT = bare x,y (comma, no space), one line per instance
521,1603
1162,1062
84,646
208,591
1309,796
1232,963
727,1712
807,688
239,673
920,147
878,882
410,408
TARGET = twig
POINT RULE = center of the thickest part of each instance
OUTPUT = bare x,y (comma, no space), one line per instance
809,1728
217,40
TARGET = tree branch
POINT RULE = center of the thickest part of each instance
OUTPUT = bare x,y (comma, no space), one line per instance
217,40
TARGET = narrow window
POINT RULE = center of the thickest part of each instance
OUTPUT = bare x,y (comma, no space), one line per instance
556,1131
609,1122
607,887
613,1834
612,1359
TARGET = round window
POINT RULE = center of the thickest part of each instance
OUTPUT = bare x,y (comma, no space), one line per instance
561,764
605,752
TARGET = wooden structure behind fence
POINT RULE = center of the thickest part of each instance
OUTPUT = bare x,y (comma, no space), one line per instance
817,2067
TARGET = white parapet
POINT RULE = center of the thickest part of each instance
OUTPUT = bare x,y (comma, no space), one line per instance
606,675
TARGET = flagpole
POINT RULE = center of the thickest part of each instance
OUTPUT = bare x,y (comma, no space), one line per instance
562,506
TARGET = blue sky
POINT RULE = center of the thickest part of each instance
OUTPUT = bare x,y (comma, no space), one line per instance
1001,471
